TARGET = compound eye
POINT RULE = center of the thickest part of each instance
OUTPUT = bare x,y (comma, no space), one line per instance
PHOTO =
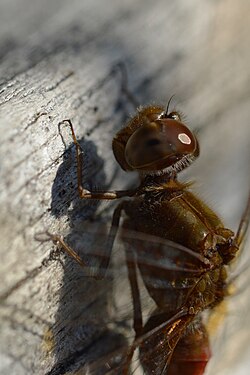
152,142
159,145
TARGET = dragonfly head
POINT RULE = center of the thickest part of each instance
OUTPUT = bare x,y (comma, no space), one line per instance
154,142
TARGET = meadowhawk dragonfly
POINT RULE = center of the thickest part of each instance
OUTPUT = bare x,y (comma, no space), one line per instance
172,239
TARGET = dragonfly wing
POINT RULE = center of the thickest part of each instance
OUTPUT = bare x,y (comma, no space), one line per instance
176,347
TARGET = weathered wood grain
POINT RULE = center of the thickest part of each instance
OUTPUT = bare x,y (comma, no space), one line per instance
58,60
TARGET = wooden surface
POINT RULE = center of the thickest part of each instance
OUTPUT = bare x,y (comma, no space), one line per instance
58,60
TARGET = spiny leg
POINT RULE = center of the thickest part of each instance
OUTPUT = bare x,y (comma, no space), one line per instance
243,226
58,240
238,240
84,193
132,275
232,248
111,238
137,310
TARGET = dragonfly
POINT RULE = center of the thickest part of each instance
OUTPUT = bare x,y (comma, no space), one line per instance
175,243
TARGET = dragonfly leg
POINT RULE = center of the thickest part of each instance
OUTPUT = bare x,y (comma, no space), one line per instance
84,193
58,240
132,275
137,310
111,238
238,239
243,226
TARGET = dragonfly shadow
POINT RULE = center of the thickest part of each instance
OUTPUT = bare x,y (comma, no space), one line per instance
80,329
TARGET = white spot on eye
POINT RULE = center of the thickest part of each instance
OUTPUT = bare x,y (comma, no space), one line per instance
184,138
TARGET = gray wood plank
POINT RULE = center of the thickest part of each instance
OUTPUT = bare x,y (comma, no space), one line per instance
57,60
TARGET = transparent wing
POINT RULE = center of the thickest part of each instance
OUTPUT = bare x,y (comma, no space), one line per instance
111,318
99,332
151,352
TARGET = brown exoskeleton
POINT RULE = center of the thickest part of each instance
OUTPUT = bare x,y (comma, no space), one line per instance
178,243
